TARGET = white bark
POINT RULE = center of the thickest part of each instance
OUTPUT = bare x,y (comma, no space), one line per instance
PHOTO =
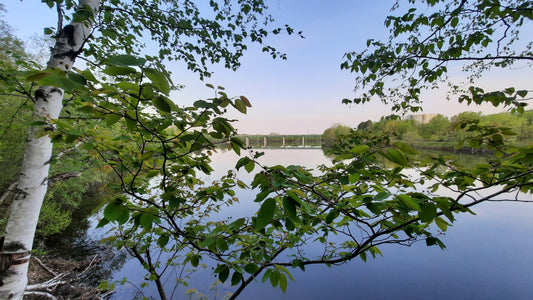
32,185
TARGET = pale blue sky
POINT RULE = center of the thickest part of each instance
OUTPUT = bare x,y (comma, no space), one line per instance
302,94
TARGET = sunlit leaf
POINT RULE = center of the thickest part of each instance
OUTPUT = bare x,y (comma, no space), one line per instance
410,202
159,80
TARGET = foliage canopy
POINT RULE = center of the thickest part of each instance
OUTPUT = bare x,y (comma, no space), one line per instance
119,109
434,35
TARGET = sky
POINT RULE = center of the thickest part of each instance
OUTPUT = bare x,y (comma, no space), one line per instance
300,95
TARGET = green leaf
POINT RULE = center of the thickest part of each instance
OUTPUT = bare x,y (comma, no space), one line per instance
78,78
89,76
427,212
251,268
359,149
195,260
265,213
249,167
209,242
285,270
298,263
147,155
71,138
112,211
289,225
240,105
454,22
162,241
115,211
222,245
282,282
131,124
522,93
236,278
430,241
104,221
245,101
146,221
381,196
38,123
118,70
242,162
266,276
410,202
363,256
103,285
81,15
274,277
395,156
202,104
289,207
443,225
37,76
262,195
331,216
147,92
112,119
125,60
237,224
224,273
159,80
162,103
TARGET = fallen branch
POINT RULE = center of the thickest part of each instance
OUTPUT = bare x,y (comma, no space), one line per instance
40,295
63,176
45,267
107,294
67,282
47,285
90,264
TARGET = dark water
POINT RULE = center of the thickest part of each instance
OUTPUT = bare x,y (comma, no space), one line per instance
488,256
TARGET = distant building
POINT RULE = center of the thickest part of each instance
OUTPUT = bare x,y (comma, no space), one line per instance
421,118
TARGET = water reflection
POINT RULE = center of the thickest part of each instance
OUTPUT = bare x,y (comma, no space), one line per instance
487,256
81,241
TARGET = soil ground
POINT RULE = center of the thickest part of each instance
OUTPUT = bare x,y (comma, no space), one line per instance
75,277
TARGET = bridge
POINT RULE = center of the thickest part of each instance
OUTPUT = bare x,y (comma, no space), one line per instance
283,141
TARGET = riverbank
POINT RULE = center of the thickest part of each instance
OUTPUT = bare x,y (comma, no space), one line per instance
449,147
52,276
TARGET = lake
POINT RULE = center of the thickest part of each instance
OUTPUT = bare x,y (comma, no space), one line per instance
488,256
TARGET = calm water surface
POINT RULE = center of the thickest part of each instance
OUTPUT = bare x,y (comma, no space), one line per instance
488,256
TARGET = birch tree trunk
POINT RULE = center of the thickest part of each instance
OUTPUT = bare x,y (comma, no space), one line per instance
31,189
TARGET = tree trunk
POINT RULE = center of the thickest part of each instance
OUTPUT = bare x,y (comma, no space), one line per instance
32,185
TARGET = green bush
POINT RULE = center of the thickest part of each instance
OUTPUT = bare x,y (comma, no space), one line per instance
53,219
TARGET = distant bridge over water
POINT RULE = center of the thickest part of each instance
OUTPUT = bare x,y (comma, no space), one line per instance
283,141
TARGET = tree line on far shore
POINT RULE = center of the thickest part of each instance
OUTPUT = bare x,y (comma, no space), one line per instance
440,131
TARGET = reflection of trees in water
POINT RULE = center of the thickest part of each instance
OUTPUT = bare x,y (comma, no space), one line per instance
464,159
75,242
92,200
